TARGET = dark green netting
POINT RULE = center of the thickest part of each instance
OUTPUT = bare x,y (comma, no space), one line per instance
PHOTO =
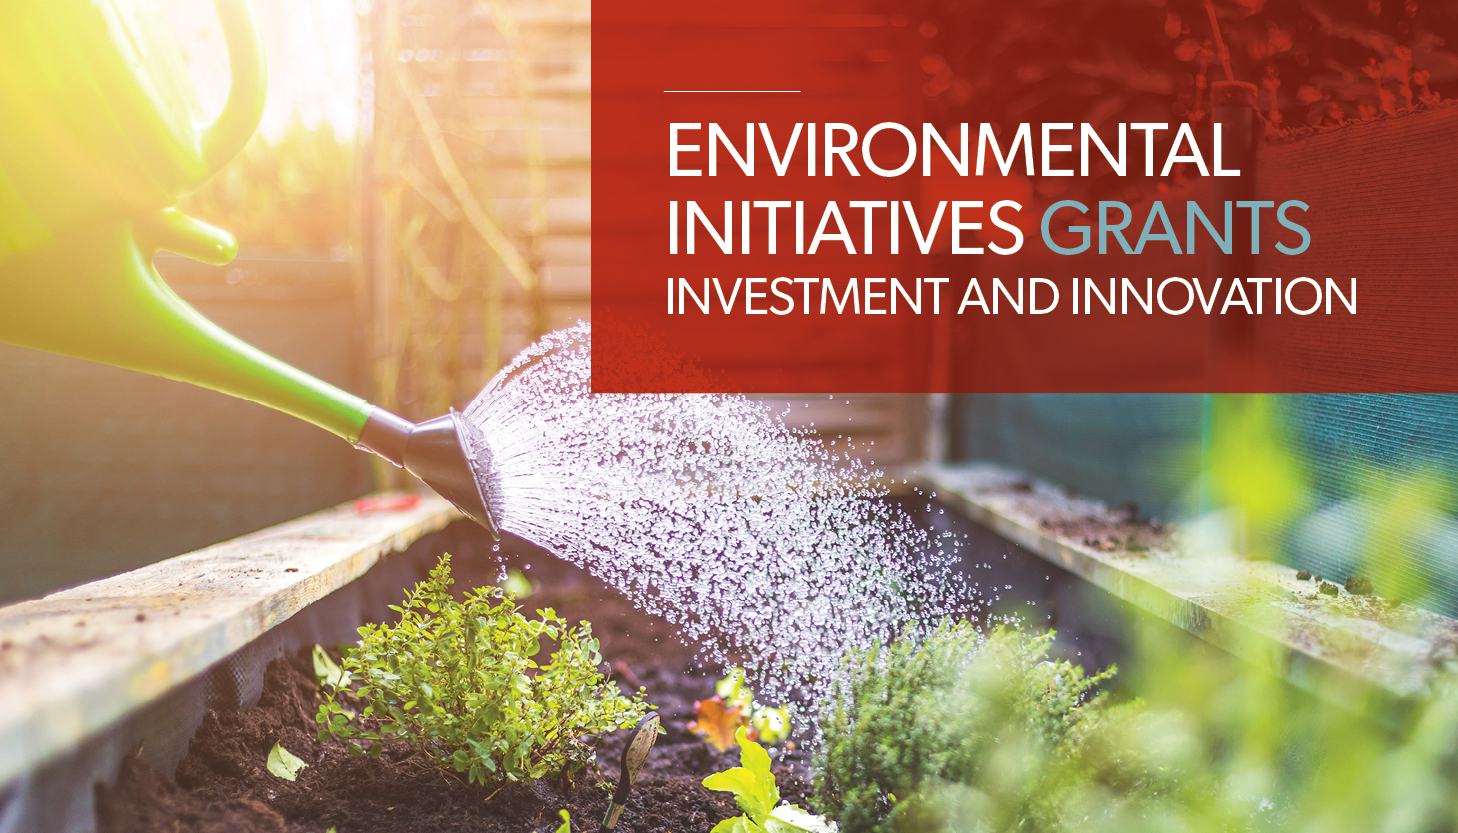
1127,447
1380,469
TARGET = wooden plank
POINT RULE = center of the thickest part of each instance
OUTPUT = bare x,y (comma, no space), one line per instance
1358,650
76,661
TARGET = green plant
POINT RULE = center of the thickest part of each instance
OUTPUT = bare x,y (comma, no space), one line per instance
921,741
1224,746
961,711
459,682
756,793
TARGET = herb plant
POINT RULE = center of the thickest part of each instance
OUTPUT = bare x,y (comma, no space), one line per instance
962,713
968,733
459,680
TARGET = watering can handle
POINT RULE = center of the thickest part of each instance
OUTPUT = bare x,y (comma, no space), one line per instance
248,87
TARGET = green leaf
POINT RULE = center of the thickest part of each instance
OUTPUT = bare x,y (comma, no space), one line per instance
566,822
739,781
283,763
787,818
773,725
733,690
754,758
327,671
752,783
738,824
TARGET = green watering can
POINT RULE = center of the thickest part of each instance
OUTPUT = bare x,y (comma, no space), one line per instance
98,139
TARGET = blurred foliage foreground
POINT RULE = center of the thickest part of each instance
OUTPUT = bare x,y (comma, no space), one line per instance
978,730
975,731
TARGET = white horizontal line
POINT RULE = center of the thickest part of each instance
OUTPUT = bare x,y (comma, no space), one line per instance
731,91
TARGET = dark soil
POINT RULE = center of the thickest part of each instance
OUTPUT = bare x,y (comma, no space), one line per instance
223,785
1359,585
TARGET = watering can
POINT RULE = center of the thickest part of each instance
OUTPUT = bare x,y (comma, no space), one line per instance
99,136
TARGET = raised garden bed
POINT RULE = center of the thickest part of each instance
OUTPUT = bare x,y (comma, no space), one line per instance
223,783
200,663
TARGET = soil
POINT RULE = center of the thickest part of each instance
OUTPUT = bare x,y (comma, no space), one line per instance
1119,529
1358,585
223,785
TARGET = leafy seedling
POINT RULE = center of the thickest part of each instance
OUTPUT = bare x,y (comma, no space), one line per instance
566,825
635,755
283,763
756,793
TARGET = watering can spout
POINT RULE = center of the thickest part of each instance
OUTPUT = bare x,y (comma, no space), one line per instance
442,453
